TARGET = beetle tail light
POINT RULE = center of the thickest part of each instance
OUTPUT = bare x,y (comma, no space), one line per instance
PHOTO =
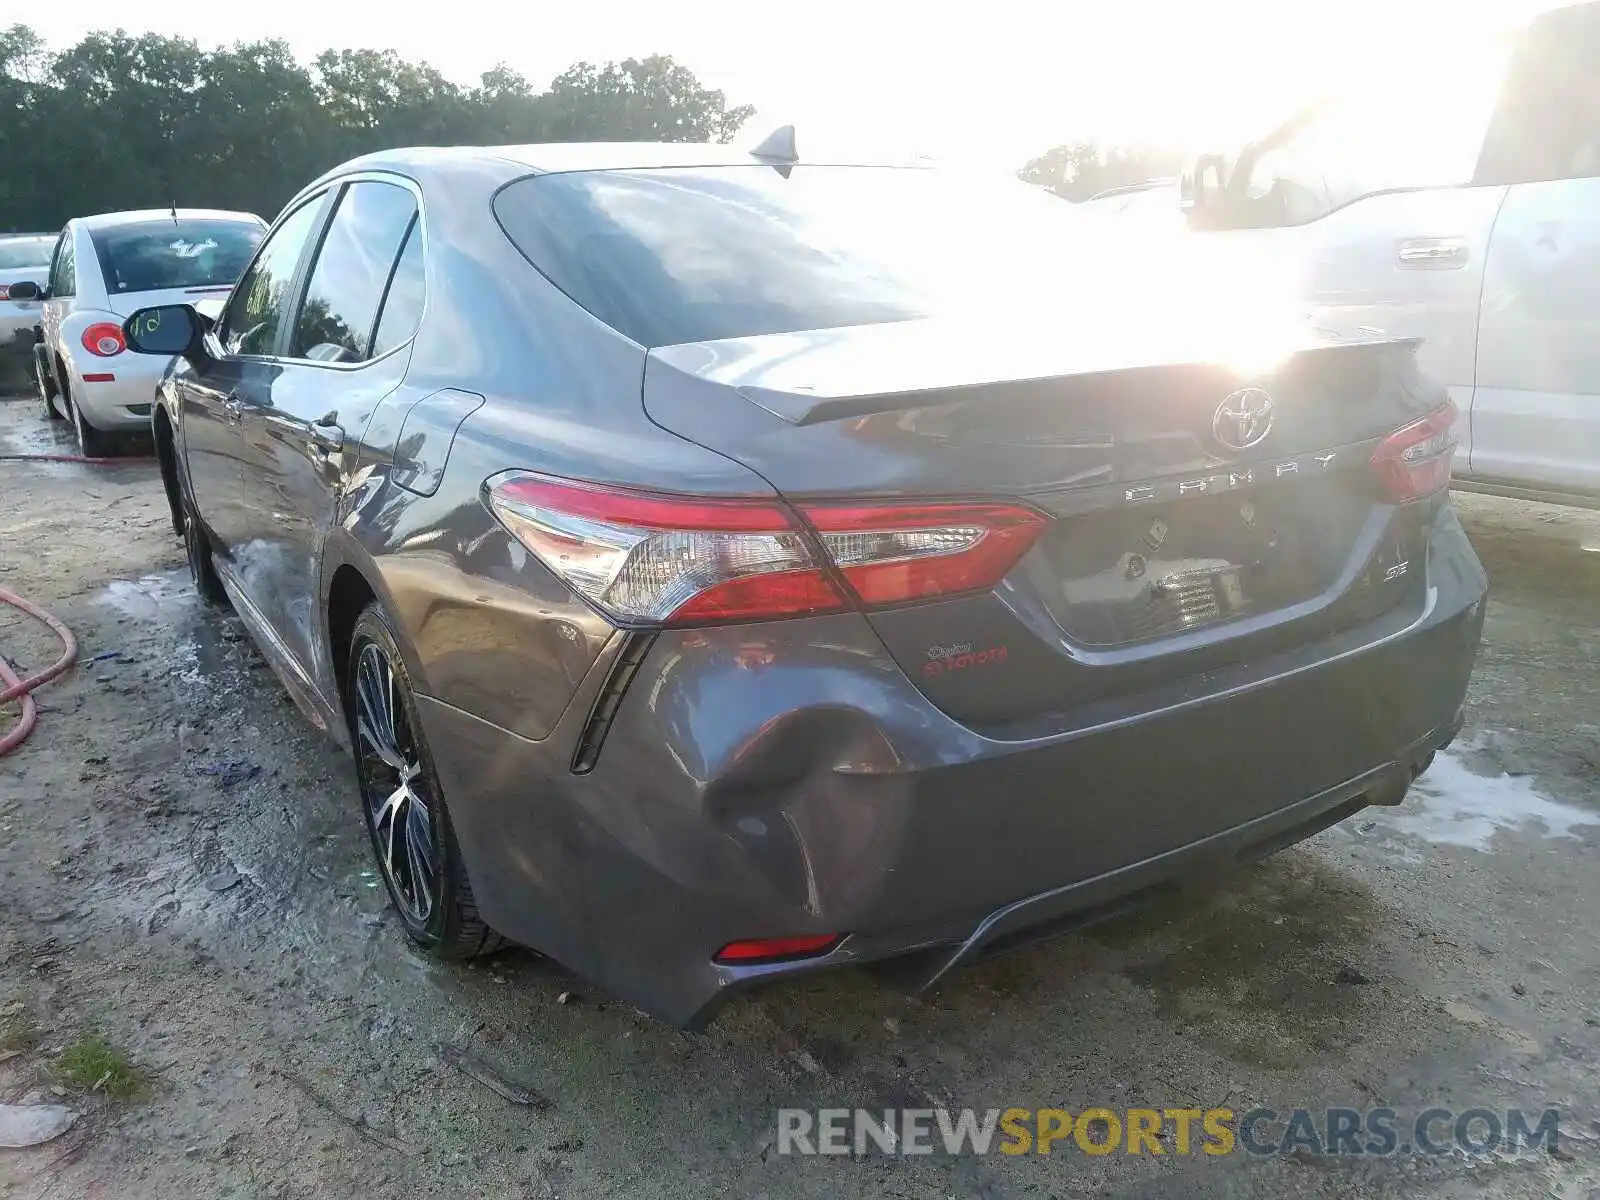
104,340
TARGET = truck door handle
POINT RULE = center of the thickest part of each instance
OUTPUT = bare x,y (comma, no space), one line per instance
233,407
327,433
1435,253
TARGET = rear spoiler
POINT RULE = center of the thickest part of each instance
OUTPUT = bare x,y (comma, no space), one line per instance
800,408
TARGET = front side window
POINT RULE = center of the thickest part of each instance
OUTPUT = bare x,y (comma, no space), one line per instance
256,310
695,254
351,272
63,272
150,256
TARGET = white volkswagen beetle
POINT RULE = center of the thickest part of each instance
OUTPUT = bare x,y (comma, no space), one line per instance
103,269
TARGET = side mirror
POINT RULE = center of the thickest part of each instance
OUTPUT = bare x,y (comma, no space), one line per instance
168,329
24,289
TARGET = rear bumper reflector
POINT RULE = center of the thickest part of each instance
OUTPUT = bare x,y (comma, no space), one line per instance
766,950
104,377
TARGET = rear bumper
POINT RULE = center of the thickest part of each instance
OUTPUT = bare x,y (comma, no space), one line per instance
764,782
125,400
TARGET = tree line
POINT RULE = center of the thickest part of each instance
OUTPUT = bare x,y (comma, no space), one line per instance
119,121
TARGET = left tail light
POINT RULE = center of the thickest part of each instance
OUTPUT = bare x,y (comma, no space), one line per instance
104,340
1414,461
649,558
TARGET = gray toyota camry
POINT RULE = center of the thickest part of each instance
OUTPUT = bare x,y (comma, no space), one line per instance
729,566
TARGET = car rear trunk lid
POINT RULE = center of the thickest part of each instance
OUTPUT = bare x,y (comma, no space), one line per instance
1202,513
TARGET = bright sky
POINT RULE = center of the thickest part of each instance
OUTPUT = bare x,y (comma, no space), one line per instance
995,82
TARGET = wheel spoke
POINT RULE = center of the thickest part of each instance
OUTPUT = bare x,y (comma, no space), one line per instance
382,693
388,814
390,702
419,828
371,696
421,872
389,839
375,711
388,753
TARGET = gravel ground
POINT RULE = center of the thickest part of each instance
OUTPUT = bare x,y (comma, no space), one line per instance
183,875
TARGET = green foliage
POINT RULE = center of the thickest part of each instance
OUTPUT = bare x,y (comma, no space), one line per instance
1084,169
119,121
94,1064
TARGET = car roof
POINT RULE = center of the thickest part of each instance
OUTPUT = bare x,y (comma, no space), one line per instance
559,157
133,216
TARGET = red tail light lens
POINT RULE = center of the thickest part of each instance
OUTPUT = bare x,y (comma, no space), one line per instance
642,557
762,950
892,554
1414,461
104,340
5,291
648,558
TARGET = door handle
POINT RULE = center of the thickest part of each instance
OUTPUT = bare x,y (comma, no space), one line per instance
1435,253
327,433
233,407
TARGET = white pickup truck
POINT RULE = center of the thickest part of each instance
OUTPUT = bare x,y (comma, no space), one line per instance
1466,214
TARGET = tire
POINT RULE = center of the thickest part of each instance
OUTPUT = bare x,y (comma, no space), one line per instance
402,803
92,442
47,390
171,482
197,548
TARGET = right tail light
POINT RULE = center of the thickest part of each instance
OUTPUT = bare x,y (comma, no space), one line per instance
104,340
1414,461
658,559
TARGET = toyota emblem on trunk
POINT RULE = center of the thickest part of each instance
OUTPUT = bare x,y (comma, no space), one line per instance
1243,419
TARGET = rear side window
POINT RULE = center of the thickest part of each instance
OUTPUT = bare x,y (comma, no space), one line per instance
402,307
19,253
351,272
150,256
64,269
694,254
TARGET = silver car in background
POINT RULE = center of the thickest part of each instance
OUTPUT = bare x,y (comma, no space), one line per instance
24,258
102,269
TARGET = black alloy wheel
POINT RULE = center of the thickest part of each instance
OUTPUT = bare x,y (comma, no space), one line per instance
402,801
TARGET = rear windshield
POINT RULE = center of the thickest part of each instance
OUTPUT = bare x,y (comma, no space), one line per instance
693,254
17,253
152,255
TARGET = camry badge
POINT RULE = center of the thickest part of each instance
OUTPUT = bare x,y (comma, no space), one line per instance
1243,419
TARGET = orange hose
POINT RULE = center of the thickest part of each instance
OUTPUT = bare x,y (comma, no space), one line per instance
18,687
